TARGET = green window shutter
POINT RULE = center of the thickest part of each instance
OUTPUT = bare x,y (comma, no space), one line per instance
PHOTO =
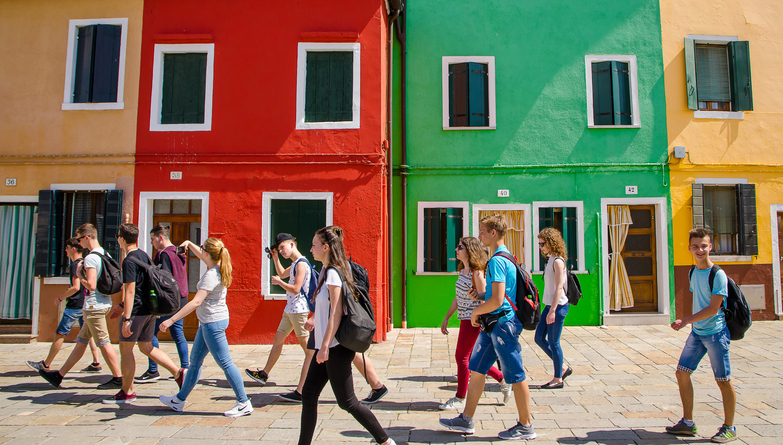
698,205
112,219
329,86
546,218
690,74
106,64
746,222
741,88
621,93
712,73
458,95
603,112
571,236
432,240
300,218
85,47
478,95
48,235
453,225
184,88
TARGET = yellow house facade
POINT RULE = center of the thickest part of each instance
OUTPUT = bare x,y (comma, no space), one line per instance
69,87
724,93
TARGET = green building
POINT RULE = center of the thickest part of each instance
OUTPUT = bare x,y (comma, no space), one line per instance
553,112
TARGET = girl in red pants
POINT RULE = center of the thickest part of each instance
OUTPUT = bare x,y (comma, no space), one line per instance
473,261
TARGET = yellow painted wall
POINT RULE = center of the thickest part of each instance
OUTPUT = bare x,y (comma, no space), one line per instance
751,148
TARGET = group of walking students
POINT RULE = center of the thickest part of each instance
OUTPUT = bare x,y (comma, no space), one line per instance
488,333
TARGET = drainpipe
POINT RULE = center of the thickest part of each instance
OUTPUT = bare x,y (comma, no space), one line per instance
395,7
400,30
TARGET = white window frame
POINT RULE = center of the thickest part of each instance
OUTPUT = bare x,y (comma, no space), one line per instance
636,119
715,40
157,85
464,205
490,61
146,211
580,227
726,181
70,65
774,209
266,227
508,207
301,85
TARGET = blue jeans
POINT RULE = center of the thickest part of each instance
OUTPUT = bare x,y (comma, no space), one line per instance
548,337
177,332
716,345
70,317
211,337
501,344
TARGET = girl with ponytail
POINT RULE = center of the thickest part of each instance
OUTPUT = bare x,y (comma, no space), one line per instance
332,361
212,312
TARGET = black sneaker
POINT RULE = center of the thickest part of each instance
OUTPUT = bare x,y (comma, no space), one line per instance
147,377
375,395
93,367
259,375
114,383
37,366
53,377
292,396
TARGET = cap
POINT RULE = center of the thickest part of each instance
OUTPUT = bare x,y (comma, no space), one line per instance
280,238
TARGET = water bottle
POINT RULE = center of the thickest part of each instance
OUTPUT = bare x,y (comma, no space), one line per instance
153,301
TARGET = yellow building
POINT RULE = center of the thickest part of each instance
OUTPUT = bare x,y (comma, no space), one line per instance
724,94
69,86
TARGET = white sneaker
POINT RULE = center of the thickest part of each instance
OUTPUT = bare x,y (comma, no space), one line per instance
505,388
390,442
239,410
173,402
452,403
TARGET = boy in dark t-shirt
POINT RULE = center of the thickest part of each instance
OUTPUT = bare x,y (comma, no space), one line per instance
74,297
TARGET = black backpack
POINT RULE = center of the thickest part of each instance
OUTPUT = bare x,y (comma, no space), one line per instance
574,292
161,295
357,326
110,280
735,307
525,303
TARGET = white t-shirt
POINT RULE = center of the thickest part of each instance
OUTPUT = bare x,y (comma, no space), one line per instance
297,303
323,308
95,300
550,293
214,307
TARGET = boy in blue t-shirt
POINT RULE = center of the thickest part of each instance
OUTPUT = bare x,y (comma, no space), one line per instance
708,336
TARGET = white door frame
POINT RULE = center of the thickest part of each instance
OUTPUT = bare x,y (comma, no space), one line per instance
774,209
661,246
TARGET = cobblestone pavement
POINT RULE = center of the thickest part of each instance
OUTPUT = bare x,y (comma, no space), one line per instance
622,391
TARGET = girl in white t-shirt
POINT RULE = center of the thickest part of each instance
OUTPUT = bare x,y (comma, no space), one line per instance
332,361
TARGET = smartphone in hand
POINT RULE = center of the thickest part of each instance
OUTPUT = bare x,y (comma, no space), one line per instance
180,250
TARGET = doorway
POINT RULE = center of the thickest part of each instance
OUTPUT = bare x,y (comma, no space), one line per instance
639,255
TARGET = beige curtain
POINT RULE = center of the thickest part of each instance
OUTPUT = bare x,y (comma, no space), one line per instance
515,235
620,295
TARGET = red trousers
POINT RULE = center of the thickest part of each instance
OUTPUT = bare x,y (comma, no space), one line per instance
467,338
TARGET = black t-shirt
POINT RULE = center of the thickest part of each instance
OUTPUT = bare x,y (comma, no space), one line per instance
132,273
75,301
164,261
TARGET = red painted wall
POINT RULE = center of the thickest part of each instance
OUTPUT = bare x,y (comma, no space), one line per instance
254,147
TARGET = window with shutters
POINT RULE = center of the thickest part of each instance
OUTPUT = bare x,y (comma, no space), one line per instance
95,64
612,92
301,215
728,211
182,87
568,218
328,86
440,227
469,93
61,212
718,76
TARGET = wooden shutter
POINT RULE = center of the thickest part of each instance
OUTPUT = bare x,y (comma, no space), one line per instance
458,95
571,237
432,240
603,112
478,95
546,218
621,93
741,88
698,205
106,63
300,218
184,88
690,74
48,234
746,221
329,86
112,219
712,73
85,47
453,226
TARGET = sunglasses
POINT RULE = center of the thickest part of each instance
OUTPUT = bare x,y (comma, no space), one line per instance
542,243
83,236
460,247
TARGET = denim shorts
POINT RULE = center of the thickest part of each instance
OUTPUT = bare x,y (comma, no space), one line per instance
716,345
500,344
70,317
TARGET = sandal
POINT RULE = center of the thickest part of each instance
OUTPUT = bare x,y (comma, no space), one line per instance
551,385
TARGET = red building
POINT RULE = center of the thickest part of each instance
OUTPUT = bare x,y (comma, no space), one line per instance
265,117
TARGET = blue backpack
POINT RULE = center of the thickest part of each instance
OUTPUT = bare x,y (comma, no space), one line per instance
308,293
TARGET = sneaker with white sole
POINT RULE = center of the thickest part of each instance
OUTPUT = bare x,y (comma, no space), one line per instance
725,434
505,389
375,395
452,403
120,398
518,432
239,410
173,402
147,377
37,366
259,375
460,423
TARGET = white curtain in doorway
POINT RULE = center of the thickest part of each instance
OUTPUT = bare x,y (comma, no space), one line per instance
620,295
17,255
515,235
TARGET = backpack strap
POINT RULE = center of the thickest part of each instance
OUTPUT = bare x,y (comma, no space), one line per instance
293,273
507,256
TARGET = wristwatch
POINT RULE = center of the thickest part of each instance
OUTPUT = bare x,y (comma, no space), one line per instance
125,319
